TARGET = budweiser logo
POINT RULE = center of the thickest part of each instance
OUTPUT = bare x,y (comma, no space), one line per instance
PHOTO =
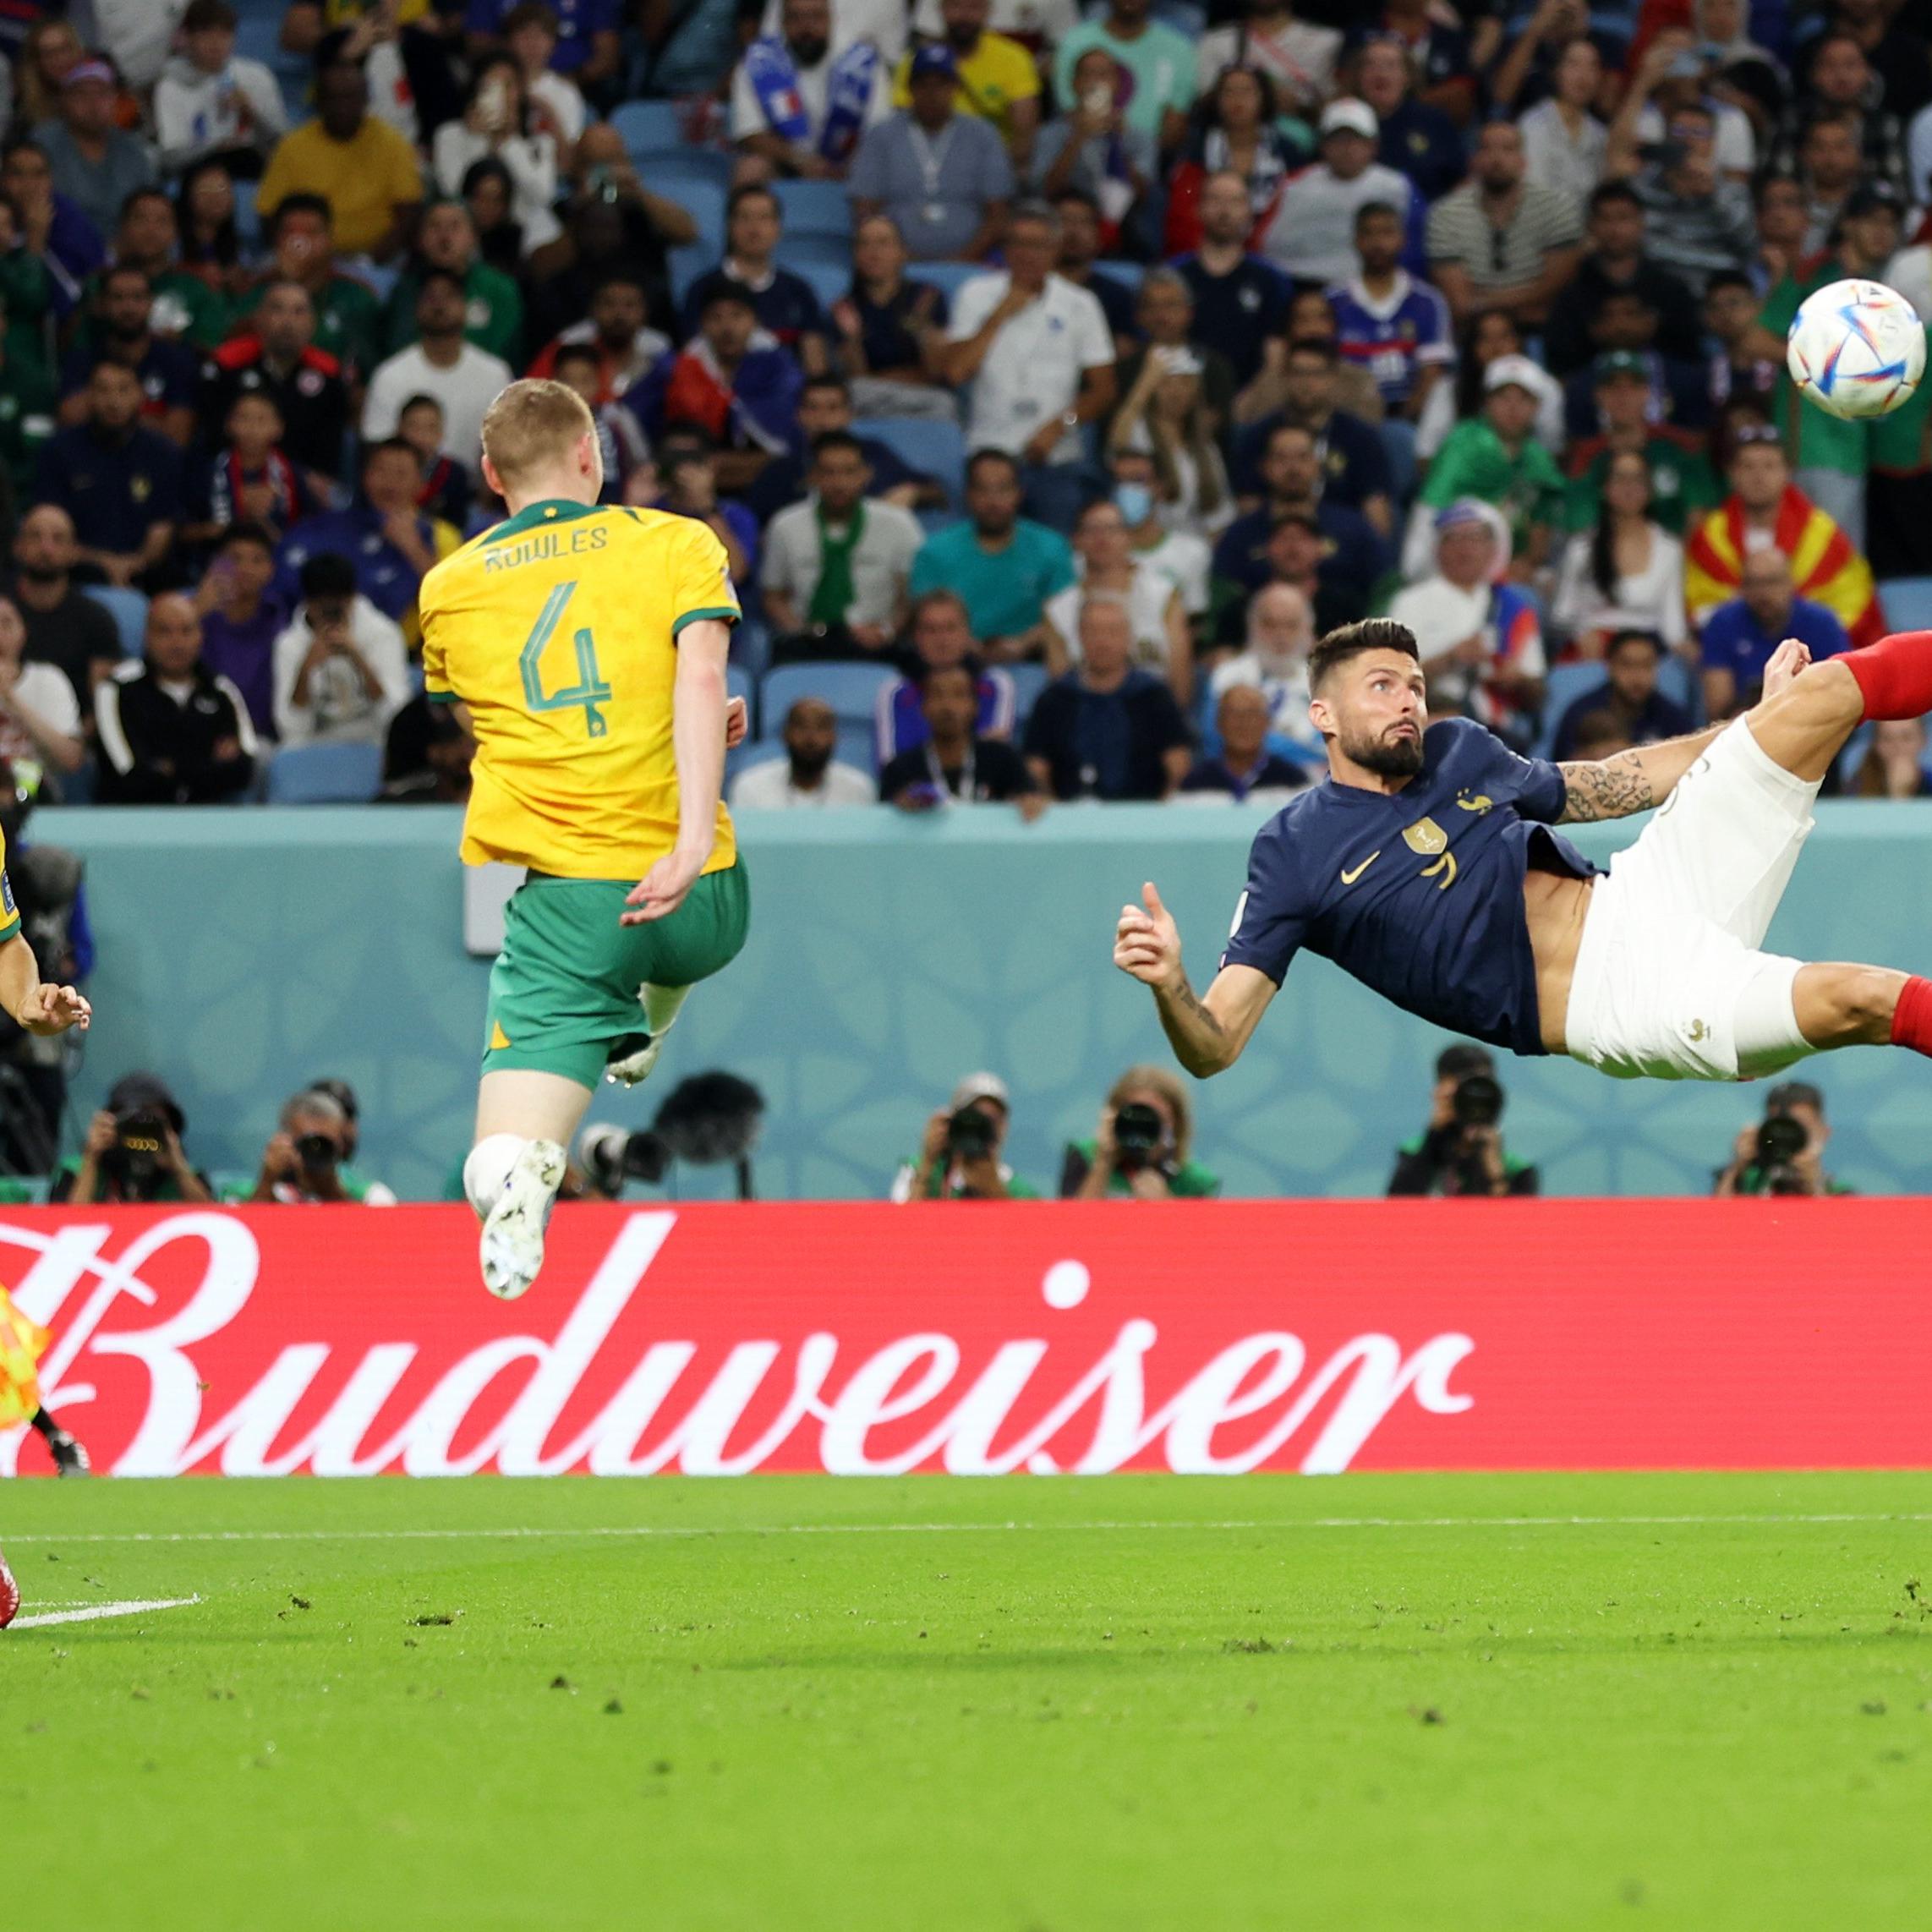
242,1342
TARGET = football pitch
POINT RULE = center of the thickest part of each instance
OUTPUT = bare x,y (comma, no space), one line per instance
1041,1705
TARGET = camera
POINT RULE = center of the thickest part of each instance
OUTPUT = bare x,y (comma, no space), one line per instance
1477,1101
317,1153
1781,1138
140,1143
1138,1135
970,1133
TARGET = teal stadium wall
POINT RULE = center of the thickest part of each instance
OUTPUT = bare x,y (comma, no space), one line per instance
244,952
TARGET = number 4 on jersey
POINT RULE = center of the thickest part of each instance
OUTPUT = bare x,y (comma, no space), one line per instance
589,691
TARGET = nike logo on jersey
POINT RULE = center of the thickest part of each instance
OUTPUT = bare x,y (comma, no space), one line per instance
1349,878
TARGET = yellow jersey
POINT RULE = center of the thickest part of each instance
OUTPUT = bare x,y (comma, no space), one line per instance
996,73
9,912
559,630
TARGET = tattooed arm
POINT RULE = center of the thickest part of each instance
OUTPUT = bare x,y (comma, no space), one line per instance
1206,1034
1632,781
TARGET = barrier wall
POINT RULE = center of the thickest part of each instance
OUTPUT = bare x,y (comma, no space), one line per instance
1083,1338
245,953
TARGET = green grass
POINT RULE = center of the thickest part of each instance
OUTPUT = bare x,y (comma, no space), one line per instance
1038,1705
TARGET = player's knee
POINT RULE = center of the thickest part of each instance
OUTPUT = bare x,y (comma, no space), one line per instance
1828,693
1869,995
487,1169
1848,1005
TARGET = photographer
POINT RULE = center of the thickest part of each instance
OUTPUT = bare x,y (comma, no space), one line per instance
133,1152
371,1193
1461,1153
1783,1153
960,1158
1142,1145
304,1159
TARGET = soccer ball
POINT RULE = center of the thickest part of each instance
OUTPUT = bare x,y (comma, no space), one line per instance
1856,349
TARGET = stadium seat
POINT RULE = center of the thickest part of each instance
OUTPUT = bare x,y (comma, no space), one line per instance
325,775
815,208
129,610
650,128
1028,680
851,689
831,279
1674,679
247,214
1183,17
687,264
949,277
1127,274
738,684
761,751
1908,602
676,174
857,747
937,450
1566,683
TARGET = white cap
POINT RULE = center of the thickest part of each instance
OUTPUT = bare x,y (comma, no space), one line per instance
1348,116
1517,369
981,1086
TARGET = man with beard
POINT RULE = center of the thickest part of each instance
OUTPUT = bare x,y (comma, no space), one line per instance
1426,869
166,370
799,107
809,775
279,356
65,628
493,304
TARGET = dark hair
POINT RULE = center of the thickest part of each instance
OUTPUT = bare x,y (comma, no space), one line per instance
979,458
725,289
117,268
1072,193
1355,640
1469,372
430,277
1728,278
134,197
224,250
566,352
1772,178
328,573
530,14
1602,544
257,534
203,15
488,167
1460,1061
1369,208
300,203
826,379
922,673
241,396
340,1091
384,445
745,191
1211,97
837,440
1606,193
481,73
423,399
1790,1093
1322,346
621,278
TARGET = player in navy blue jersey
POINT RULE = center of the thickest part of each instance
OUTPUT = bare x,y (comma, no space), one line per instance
1427,868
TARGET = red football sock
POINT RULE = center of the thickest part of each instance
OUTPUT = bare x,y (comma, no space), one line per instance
1912,1018
1894,675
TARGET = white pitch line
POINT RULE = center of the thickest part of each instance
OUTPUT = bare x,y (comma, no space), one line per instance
548,1532
94,1612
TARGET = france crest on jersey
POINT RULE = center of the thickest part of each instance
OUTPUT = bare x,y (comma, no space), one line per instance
1393,339
1417,893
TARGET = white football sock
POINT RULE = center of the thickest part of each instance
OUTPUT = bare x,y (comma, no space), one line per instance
661,1004
487,1169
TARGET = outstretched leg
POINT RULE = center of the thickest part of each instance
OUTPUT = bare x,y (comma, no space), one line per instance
1807,725
1841,1005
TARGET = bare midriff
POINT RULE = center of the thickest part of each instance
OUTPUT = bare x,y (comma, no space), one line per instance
1555,904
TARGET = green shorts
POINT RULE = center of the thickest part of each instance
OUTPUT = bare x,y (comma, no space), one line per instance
565,987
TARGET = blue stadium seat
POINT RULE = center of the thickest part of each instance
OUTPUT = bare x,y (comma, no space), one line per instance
831,279
738,684
851,689
129,610
1183,17
1028,680
1128,274
1674,679
1566,683
761,751
947,276
675,174
650,128
815,208
937,450
325,775
248,213
1908,602
687,264
857,748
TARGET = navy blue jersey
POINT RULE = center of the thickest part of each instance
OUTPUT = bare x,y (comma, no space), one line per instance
1419,892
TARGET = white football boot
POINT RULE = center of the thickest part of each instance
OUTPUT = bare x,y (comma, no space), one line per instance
513,1244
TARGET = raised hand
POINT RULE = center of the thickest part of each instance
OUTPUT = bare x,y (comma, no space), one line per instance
1787,662
1146,943
51,1008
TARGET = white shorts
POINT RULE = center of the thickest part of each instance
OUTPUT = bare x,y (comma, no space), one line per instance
1669,982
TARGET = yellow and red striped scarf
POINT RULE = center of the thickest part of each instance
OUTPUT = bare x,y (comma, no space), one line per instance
1823,565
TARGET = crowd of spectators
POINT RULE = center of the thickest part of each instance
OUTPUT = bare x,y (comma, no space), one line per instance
1069,370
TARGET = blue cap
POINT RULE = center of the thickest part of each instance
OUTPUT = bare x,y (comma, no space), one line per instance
934,58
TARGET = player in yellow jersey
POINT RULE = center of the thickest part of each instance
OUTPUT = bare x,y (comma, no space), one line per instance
39,1008
589,645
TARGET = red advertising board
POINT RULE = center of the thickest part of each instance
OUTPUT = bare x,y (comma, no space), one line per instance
870,1339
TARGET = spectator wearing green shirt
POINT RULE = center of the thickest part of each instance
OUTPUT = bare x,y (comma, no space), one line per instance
447,239
1831,457
132,1151
959,1159
1683,484
347,315
1783,1153
1161,59
1142,1147
1496,458
26,421
1002,565
185,307
27,295
1898,489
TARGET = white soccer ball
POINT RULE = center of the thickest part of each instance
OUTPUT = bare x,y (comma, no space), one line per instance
1856,349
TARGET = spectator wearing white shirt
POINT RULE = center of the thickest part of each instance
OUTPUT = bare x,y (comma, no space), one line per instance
1299,56
442,363
1626,574
208,102
1040,357
556,102
1312,235
809,775
1038,23
1281,633
496,123
835,567
1563,141
1109,570
1183,558
40,716
882,22
800,106
341,670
